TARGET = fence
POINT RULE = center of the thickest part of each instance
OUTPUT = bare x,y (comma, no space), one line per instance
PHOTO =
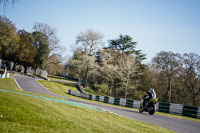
171,108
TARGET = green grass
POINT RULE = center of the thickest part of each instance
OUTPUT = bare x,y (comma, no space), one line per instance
179,117
8,84
91,91
12,74
19,113
60,89
57,88
60,78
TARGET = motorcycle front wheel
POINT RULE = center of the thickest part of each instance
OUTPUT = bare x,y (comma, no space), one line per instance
140,109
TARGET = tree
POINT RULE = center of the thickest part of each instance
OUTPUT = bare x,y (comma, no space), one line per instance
8,38
125,45
82,64
50,32
54,48
54,69
168,64
191,74
127,69
107,69
88,42
7,2
119,72
27,51
153,77
73,65
40,42
127,58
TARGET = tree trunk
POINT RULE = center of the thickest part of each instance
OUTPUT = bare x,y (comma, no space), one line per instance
169,88
111,88
126,89
25,69
14,66
194,100
85,84
86,78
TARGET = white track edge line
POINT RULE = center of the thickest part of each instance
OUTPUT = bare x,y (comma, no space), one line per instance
43,86
18,84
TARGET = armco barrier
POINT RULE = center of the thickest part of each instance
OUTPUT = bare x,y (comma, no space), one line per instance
122,102
129,103
106,99
198,113
90,97
101,99
97,98
176,109
93,97
74,93
157,105
116,101
136,104
190,111
171,108
164,107
111,100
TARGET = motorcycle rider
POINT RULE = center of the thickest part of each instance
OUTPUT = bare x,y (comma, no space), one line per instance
149,95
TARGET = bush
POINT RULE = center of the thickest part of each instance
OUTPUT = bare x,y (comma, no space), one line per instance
102,89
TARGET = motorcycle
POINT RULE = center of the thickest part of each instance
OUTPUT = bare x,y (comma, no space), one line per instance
149,106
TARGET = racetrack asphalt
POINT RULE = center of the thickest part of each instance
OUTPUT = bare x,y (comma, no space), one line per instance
175,124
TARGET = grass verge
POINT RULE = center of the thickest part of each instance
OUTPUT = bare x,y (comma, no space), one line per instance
8,84
19,113
60,78
12,74
89,90
179,117
56,87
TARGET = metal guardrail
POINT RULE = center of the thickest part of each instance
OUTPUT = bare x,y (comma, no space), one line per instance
171,108
198,113
164,107
176,109
190,111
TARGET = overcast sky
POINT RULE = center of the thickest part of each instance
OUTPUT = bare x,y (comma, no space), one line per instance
169,25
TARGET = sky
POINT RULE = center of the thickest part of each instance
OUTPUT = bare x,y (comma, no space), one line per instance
156,25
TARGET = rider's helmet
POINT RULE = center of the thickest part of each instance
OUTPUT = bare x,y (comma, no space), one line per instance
151,90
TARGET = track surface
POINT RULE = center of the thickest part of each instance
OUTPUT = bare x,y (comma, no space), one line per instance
175,124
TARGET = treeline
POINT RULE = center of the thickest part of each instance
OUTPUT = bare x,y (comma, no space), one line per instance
117,70
38,49
176,77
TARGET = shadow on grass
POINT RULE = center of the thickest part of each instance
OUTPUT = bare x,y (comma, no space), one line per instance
65,78
66,84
